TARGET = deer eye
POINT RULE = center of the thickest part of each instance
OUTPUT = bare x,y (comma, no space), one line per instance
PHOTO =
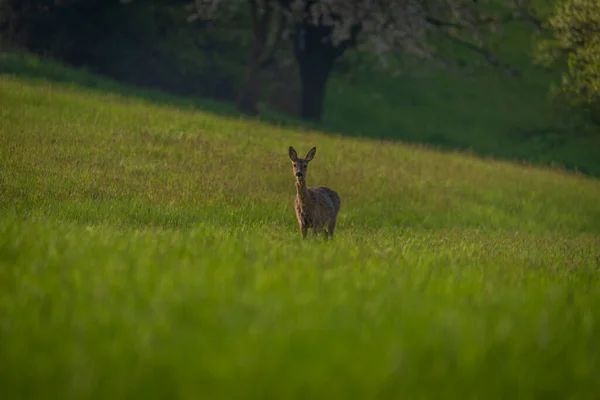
305,165
295,165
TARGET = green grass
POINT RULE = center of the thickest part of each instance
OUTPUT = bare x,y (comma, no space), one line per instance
484,112
149,251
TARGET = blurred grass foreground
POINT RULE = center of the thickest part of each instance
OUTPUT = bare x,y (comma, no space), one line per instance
150,250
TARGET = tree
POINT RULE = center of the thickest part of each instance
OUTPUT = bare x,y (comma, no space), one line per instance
268,25
18,16
321,31
575,41
325,29
31,23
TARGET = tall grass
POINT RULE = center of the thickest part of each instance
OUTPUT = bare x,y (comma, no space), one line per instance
152,251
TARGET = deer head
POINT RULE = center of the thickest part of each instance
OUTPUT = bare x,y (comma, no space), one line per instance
300,165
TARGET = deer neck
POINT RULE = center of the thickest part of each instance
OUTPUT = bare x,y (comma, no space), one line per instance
302,193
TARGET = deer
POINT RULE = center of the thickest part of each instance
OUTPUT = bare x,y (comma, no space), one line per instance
316,207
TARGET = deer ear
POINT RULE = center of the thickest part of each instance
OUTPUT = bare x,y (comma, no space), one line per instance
310,154
292,153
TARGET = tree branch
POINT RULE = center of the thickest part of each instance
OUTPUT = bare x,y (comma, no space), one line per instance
521,13
350,42
269,57
254,16
486,54
442,24
527,16
511,17
263,21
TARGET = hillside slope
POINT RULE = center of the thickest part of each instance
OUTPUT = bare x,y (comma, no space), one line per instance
483,111
152,251
478,109
184,158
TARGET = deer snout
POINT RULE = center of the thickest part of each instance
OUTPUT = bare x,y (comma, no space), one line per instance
299,174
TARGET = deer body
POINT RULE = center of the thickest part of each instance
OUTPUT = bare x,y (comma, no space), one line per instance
316,207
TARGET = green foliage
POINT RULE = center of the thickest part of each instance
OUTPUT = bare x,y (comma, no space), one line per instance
575,27
145,43
152,252
481,111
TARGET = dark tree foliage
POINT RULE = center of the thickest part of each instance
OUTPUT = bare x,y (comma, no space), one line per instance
143,43
575,44
321,31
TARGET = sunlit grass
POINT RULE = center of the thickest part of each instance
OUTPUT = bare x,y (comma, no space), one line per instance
147,251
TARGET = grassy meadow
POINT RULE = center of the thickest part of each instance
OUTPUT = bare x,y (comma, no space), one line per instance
151,251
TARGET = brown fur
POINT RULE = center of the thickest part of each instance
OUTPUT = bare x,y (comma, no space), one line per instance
316,207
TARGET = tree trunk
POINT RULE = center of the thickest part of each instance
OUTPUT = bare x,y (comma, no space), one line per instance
314,73
316,57
249,92
262,51
19,26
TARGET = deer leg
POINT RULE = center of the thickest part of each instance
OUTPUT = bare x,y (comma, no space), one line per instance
331,227
303,230
324,230
316,230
